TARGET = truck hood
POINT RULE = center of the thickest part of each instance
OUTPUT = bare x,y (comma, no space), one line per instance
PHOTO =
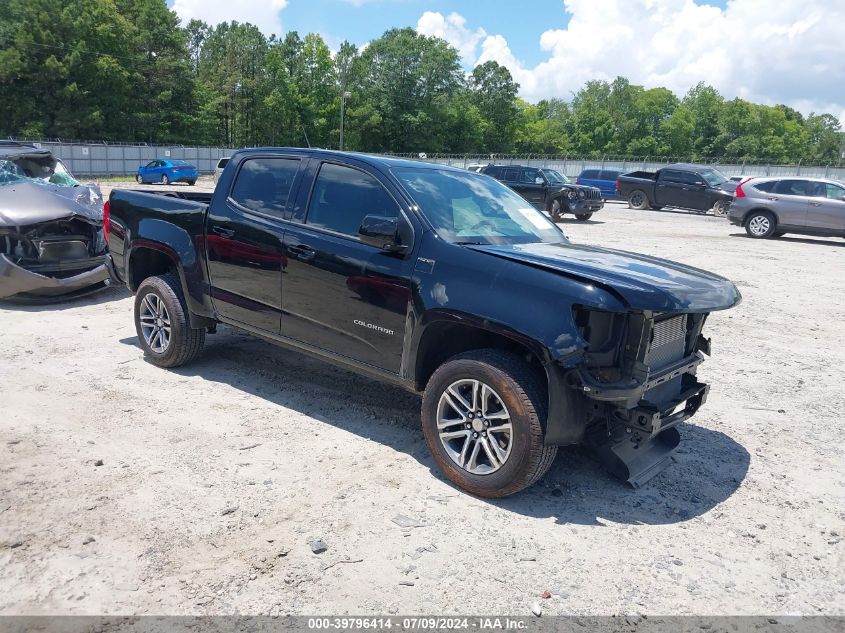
728,186
641,281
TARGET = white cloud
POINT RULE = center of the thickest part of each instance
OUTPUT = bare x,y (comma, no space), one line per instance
262,13
452,28
789,51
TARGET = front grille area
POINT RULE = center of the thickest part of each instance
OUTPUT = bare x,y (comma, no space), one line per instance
668,341
593,194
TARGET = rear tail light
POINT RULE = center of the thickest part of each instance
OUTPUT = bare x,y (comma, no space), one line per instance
617,185
739,192
578,180
107,220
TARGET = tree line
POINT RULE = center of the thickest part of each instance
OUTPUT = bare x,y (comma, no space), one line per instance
127,70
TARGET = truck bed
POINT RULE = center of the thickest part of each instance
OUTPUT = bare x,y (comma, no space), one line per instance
641,175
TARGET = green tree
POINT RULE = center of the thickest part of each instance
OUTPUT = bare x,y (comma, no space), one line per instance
495,94
409,81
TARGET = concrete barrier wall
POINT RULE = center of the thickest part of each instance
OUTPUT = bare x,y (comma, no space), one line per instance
104,160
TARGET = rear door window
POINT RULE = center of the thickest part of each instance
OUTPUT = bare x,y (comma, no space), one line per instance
342,196
608,175
511,174
590,174
670,175
264,184
793,188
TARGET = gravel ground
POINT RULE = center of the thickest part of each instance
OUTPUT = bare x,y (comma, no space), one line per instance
127,489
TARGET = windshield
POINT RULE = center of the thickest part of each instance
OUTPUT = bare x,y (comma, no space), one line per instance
467,208
37,169
713,177
555,177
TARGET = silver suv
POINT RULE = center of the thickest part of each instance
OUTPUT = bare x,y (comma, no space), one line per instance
770,207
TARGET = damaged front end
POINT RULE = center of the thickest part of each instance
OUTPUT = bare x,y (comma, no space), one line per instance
51,229
51,259
639,374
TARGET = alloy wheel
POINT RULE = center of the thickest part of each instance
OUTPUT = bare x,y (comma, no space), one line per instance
759,225
155,323
474,426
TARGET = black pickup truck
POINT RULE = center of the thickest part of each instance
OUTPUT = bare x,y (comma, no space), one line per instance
439,280
695,187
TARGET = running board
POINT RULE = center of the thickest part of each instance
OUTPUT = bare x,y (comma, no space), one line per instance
637,462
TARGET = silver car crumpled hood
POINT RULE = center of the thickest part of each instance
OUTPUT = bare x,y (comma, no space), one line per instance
28,203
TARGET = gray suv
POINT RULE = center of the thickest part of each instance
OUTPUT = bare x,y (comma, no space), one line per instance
770,207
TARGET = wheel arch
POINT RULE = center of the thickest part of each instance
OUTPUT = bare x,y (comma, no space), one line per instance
748,214
149,259
446,337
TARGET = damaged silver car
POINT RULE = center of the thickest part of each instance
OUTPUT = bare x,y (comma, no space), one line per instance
51,228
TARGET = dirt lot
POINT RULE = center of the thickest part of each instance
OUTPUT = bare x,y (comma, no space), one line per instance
129,489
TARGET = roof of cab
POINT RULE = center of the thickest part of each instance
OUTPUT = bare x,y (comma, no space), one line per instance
377,160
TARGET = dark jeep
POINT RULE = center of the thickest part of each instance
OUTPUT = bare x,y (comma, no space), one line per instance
549,190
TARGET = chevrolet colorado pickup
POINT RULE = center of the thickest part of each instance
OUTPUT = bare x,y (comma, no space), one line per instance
694,187
437,279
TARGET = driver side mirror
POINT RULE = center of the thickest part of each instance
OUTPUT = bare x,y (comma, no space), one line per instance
381,232
539,181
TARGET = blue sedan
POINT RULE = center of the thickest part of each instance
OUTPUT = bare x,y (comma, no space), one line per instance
165,171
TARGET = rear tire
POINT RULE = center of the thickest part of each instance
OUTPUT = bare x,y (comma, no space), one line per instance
506,391
638,200
191,183
760,225
583,216
139,179
161,322
165,180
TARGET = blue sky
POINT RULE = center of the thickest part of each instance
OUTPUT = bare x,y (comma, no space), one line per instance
339,19
784,51
521,22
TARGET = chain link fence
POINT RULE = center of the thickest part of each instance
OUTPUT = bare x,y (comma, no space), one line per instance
96,158
573,165
116,159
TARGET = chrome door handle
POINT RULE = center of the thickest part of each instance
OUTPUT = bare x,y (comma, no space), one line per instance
302,252
816,204
772,198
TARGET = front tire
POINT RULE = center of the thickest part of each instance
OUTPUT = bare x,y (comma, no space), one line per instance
638,200
555,210
760,225
482,416
165,180
583,217
720,209
161,322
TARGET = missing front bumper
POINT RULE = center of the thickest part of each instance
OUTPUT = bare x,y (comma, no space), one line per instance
15,280
637,444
